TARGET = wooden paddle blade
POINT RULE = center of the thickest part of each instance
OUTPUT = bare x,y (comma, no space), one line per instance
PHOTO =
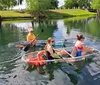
27,47
15,76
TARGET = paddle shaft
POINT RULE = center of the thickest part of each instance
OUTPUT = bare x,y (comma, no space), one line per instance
35,38
68,53
64,59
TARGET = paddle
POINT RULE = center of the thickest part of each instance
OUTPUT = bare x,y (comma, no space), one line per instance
64,59
26,48
68,53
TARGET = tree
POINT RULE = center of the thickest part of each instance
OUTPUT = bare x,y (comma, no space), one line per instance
84,3
77,3
38,5
6,4
96,5
69,3
54,4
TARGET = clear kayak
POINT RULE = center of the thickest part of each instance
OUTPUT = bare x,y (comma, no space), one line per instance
41,43
33,60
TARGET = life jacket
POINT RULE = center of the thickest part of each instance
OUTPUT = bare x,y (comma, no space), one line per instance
41,57
37,61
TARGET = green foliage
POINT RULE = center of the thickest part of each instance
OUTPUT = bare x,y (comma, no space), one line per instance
37,5
41,5
96,4
6,4
84,3
69,3
77,3
54,4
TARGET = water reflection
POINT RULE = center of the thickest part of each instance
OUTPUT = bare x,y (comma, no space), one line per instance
89,27
46,69
60,29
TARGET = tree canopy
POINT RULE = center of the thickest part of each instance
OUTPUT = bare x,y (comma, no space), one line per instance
77,3
37,5
96,4
6,4
40,5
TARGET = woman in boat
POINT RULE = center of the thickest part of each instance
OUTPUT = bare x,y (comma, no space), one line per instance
50,52
31,36
80,48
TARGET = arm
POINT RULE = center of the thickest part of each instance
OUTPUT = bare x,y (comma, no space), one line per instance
28,38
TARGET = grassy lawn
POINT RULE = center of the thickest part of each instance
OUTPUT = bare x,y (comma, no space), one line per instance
68,13
13,14
58,13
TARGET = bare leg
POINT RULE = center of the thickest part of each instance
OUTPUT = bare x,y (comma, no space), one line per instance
62,53
86,49
83,53
74,51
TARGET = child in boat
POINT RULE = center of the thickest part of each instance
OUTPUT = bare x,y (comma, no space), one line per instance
50,52
31,36
80,48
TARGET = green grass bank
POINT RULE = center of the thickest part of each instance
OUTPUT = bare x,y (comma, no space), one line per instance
68,13
9,15
58,13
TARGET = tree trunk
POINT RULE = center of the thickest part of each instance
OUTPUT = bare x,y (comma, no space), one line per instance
0,21
98,12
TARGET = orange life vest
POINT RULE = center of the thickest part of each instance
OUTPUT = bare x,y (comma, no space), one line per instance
37,61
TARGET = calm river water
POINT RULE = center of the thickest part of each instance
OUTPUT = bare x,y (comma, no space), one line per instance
14,72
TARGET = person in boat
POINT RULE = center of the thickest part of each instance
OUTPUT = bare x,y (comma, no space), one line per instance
50,52
47,54
80,48
30,36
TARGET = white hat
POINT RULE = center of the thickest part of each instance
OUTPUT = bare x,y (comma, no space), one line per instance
30,29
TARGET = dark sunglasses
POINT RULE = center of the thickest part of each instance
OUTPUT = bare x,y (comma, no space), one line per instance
52,41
